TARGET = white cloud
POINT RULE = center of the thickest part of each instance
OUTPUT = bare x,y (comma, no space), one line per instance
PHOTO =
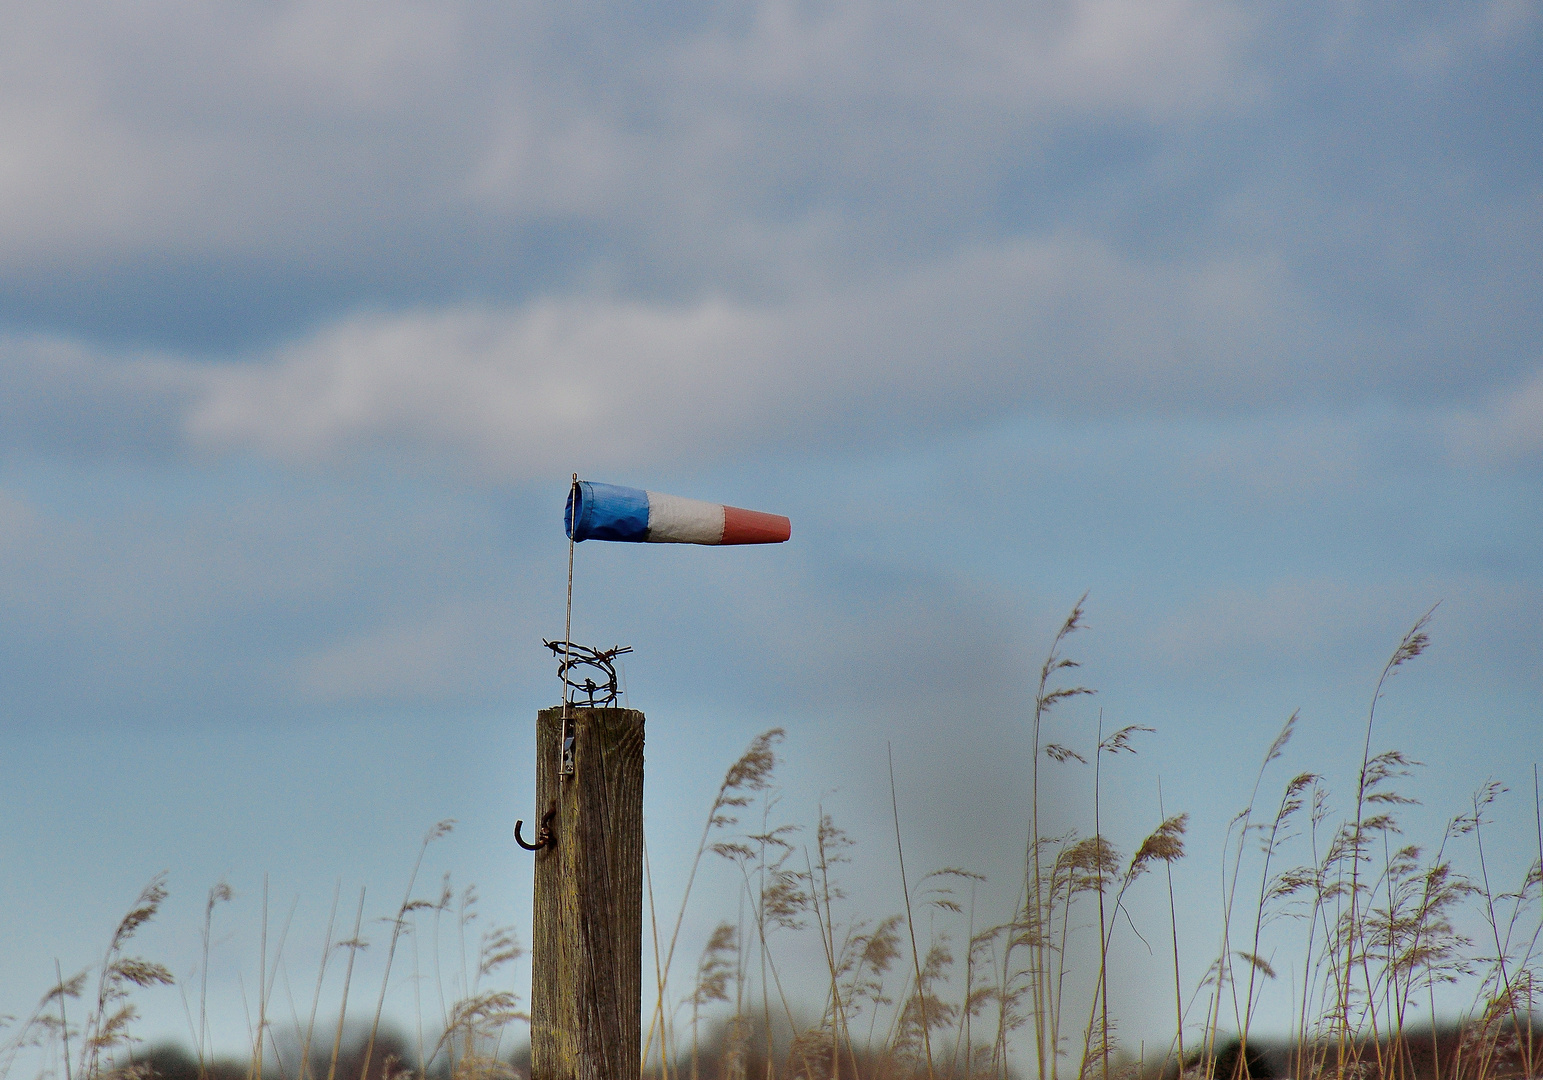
170,128
1065,325
513,391
360,56
305,126
791,209
1147,58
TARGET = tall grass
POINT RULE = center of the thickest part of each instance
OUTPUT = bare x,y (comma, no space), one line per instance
1365,927
102,1044
1376,924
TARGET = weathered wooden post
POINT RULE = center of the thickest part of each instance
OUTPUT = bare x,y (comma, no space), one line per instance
587,977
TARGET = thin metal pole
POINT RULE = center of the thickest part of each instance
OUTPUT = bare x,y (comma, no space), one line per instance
565,750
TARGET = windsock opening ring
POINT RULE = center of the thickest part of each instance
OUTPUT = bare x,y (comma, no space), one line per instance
610,512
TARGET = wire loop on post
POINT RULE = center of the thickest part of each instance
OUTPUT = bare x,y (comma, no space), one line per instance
573,657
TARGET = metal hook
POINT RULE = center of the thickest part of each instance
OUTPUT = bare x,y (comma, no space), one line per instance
544,836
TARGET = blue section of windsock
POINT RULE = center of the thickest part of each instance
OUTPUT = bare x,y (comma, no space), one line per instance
606,512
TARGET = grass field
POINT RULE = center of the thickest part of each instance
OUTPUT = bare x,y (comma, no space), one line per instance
1374,926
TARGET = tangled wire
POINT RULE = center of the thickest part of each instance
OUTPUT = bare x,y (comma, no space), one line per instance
575,660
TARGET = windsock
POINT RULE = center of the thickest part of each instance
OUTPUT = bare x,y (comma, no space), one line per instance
608,512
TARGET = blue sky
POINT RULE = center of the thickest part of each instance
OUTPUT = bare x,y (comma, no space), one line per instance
1224,312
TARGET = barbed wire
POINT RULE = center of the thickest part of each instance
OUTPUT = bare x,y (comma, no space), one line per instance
574,660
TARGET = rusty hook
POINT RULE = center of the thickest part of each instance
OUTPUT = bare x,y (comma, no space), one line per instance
544,836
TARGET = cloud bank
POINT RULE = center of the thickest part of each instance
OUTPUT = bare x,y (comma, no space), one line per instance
314,231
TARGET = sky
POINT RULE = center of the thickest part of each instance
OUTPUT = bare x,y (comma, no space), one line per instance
1225,314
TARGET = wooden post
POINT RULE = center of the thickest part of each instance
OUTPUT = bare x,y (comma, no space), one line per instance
587,942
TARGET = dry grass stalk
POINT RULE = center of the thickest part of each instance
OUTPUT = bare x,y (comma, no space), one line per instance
748,776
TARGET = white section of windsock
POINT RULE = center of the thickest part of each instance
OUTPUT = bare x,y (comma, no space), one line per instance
674,520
